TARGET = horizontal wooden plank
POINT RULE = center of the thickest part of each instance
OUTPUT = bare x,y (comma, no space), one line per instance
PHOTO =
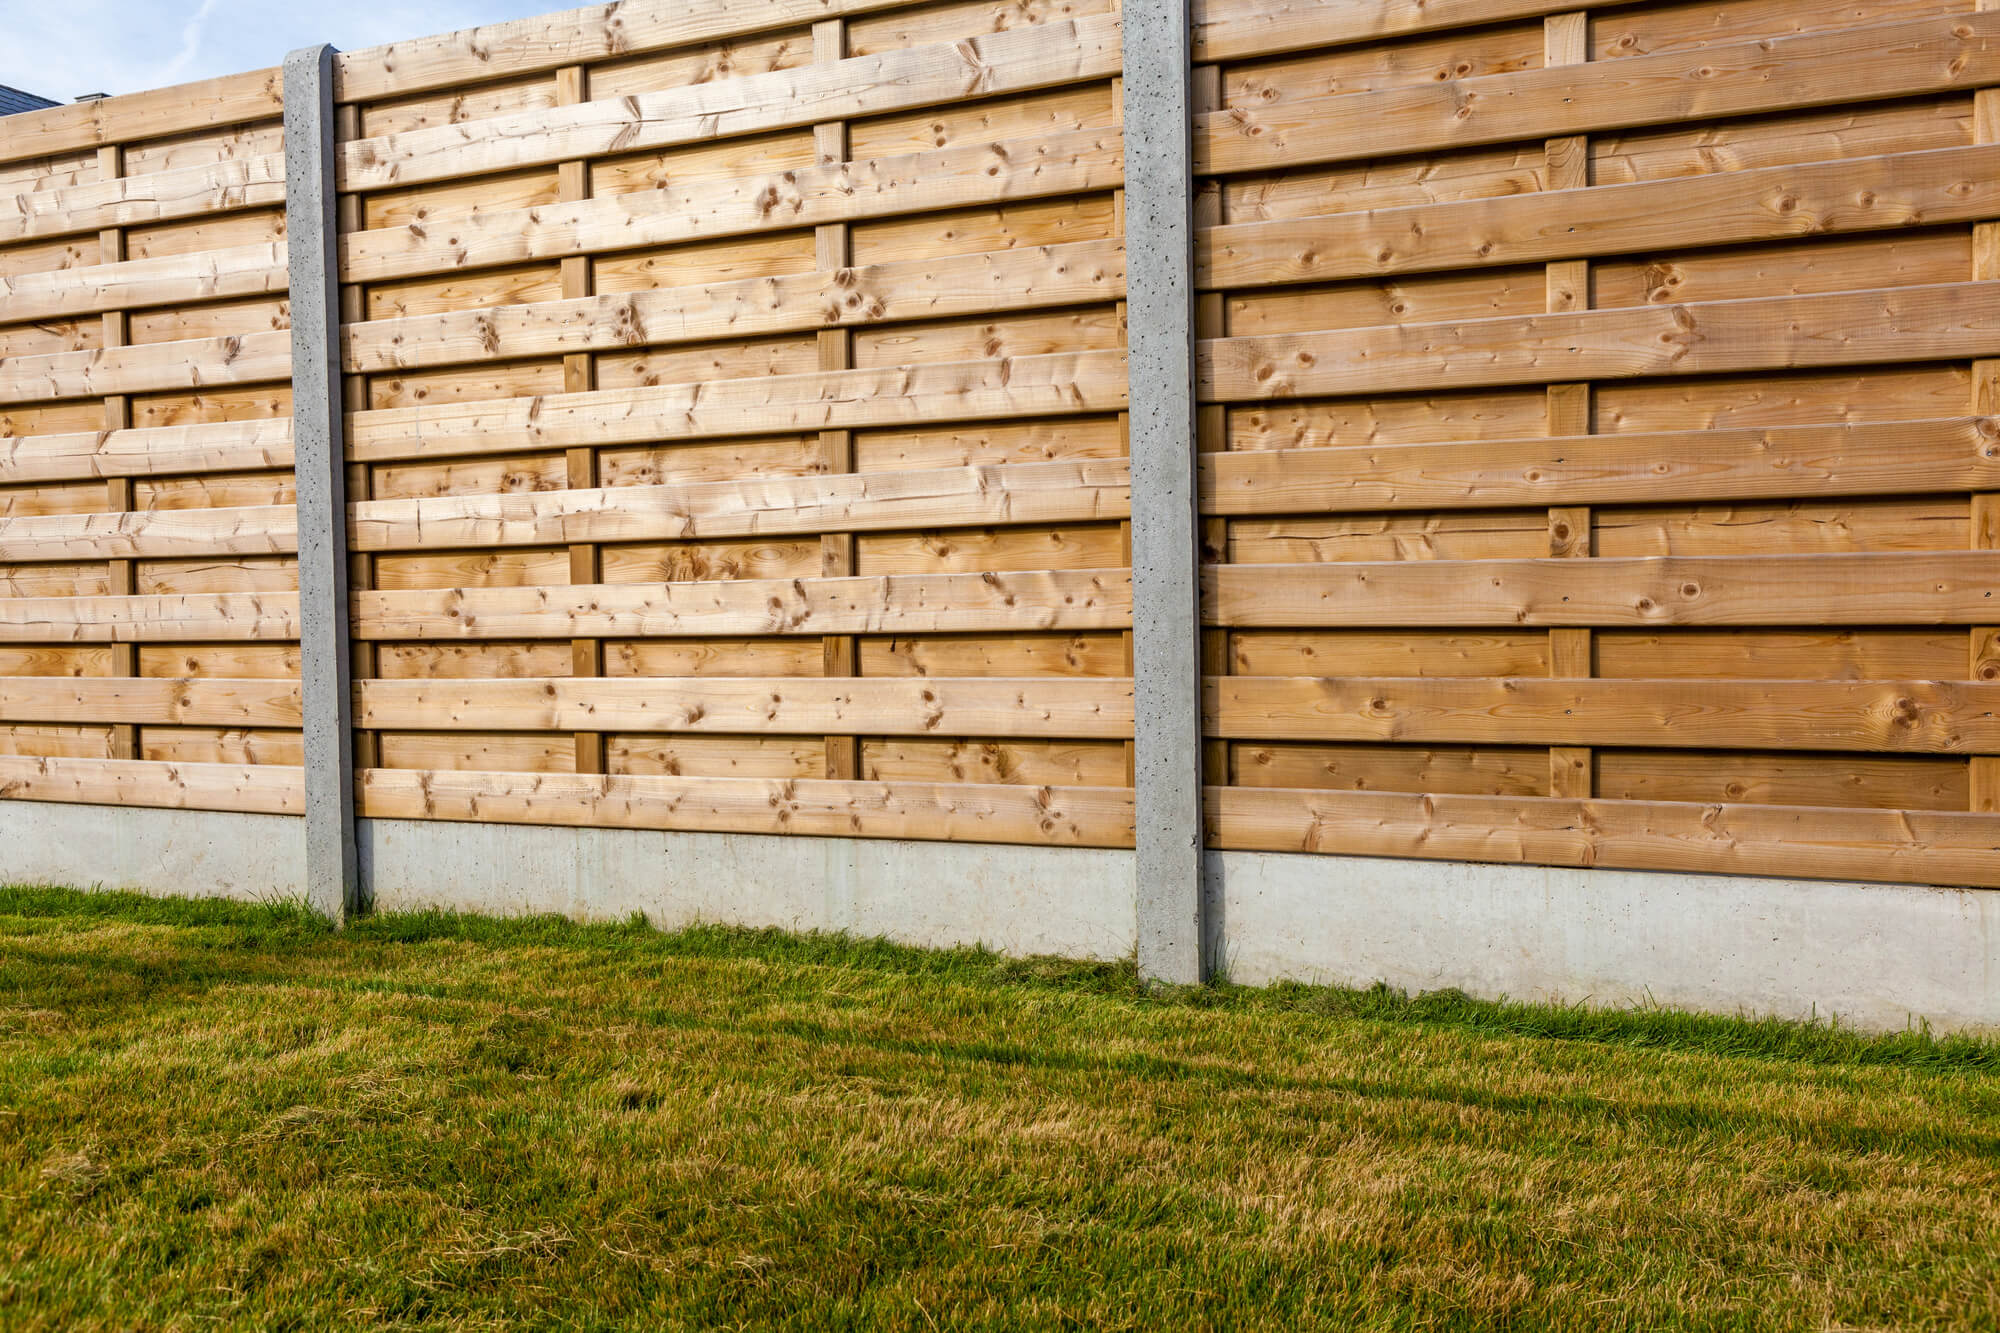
1899,588
1056,384
192,363
142,534
1921,717
1887,458
852,502
1913,846
1783,73
257,788
572,37
959,812
1040,55
990,282
1921,189
1236,29
1067,163
230,617
1947,321
894,604
137,201
210,275
1067,709
188,701
219,446
232,99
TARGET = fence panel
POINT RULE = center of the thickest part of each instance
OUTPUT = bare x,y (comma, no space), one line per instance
1598,441
147,581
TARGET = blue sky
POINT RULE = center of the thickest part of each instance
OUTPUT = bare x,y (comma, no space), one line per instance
60,48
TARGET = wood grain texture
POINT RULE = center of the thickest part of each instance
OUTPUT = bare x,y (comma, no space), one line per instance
158,533
1237,29
150,618
751,706
256,788
185,702
213,275
194,363
232,99
220,446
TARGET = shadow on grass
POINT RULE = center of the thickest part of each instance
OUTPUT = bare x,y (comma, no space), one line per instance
281,928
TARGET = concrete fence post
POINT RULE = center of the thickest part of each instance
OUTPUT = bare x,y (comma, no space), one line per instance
1166,611
320,452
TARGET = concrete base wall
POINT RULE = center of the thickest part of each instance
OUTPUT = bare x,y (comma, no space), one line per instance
190,853
1873,955
1020,900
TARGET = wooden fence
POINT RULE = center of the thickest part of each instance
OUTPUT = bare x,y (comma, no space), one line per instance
1594,429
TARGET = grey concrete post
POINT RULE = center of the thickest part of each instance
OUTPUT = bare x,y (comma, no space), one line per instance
1166,613
319,446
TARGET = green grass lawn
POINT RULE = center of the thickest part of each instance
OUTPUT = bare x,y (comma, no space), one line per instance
214,1114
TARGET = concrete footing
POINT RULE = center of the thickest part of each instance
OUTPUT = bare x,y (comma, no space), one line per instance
1875,956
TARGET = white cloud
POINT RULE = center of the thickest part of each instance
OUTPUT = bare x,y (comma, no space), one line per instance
64,48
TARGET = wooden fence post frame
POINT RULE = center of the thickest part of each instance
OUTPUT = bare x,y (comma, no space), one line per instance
318,440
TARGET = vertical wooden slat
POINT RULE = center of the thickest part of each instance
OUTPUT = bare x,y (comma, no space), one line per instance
117,416
1566,41
1211,422
580,376
1985,645
360,476
832,250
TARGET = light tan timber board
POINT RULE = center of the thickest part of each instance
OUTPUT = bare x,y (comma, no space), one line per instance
941,498
193,363
211,275
1917,846
1075,162
186,702
129,201
258,788
892,604
1920,588
1784,462
1948,321
1783,73
152,534
222,446
1080,273
903,706
1239,29
961,812
1021,60
149,618
497,51
1056,384
1893,190
232,99
1925,717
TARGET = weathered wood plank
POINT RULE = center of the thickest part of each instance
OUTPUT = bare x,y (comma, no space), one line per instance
896,604
1873,63
1039,56
219,446
131,201
1900,588
209,275
1922,717
270,789
575,36
163,618
947,178
1070,709
145,534
1949,321
1920,846
1057,384
184,701
1888,458
941,498
193,363
1893,190
959,812
986,283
